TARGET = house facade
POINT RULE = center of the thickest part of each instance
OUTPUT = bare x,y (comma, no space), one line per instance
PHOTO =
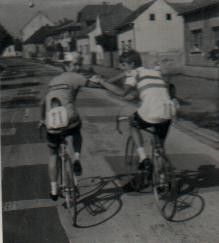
155,30
201,30
99,21
35,24
62,39
34,46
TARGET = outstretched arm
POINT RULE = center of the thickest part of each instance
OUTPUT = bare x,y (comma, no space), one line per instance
116,90
117,78
91,84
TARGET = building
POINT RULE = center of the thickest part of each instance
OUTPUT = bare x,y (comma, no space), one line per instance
38,21
34,46
62,39
10,51
156,31
52,41
201,30
99,23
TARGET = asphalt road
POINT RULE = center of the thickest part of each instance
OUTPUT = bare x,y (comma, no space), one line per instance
107,210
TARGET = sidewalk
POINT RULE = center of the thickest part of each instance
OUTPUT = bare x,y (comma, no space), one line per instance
199,105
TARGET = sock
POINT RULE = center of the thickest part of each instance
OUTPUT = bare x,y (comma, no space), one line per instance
77,156
54,188
141,154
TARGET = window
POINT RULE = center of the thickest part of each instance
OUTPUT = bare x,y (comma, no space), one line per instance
81,48
123,46
129,44
87,49
152,17
216,36
168,16
196,41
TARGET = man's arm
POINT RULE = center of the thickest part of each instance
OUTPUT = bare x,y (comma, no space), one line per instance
117,78
91,84
116,90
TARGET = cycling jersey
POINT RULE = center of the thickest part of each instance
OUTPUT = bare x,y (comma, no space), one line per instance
65,87
156,105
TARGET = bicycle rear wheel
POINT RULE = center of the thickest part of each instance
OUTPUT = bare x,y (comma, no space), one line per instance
164,186
72,191
138,179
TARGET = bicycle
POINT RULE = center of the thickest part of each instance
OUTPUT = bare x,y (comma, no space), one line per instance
162,180
67,179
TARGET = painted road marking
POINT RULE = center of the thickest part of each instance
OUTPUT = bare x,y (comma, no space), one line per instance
28,204
8,131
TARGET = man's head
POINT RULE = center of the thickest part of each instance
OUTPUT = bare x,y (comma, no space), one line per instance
129,60
55,102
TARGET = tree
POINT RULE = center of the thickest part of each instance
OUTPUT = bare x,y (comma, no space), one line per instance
5,39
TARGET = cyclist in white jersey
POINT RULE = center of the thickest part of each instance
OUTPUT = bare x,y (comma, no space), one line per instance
156,109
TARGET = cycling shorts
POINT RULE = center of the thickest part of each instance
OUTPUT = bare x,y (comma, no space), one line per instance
160,128
53,140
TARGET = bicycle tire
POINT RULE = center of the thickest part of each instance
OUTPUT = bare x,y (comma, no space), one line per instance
130,157
164,186
67,187
137,178
73,192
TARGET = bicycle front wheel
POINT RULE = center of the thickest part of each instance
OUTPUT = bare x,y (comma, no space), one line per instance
138,181
73,191
164,187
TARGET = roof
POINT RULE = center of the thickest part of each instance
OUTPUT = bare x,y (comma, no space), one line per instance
178,7
84,32
196,5
67,26
39,13
39,36
90,12
137,13
110,22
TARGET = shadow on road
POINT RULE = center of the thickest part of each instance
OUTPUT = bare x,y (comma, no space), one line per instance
190,203
100,200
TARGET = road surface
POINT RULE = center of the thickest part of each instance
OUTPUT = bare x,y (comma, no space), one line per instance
108,212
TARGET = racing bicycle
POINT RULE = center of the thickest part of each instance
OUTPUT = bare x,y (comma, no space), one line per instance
162,180
67,179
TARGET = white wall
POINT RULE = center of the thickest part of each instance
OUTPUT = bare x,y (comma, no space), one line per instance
83,45
34,25
9,51
160,35
124,37
94,48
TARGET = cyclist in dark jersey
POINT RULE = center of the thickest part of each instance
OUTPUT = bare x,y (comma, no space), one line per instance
63,90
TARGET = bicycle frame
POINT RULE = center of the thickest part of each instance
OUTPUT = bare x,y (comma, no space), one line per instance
68,181
163,179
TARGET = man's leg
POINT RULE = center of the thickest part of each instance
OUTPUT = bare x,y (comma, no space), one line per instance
53,173
162,131
139,142
52,165
77,143
136,124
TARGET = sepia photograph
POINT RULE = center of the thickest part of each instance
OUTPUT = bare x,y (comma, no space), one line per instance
109,121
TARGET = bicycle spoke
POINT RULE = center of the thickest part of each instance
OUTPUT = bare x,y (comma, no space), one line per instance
165,190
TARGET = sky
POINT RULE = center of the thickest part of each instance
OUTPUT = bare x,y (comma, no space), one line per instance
14,14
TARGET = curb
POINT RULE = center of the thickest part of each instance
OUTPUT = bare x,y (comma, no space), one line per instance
203,135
